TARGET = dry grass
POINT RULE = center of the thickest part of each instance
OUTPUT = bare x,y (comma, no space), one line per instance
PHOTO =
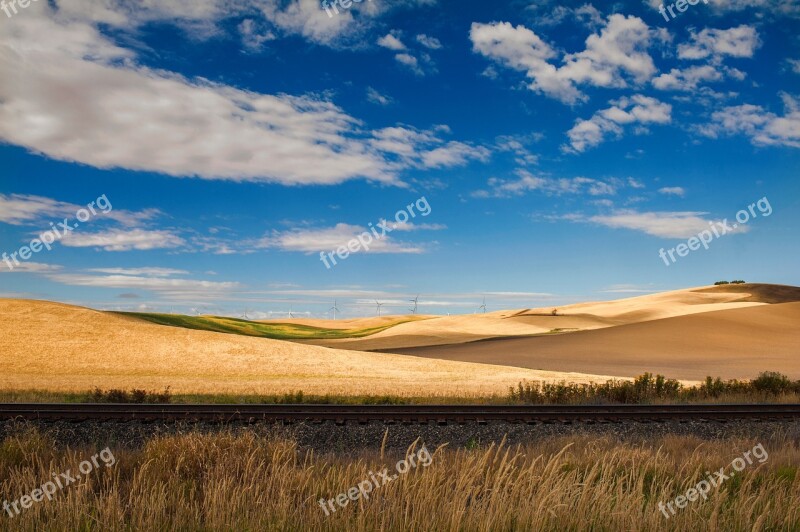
243,482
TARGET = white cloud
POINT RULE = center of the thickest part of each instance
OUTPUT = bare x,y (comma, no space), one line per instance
331,238
411,226
517,145
672,191
634,183
687,79
405,56
660,224
528,182
763,127
308,19
741,41
170,287
425,149
148,272
587,15
429,42
638,109
124,240
453,153
254,37
376,97
391,42
19,209
28,267
65,70
759,7
156,121
611,58
410,61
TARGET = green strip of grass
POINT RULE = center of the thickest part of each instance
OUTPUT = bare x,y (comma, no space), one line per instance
277,331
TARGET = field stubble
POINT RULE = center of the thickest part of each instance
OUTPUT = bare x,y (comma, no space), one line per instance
241,481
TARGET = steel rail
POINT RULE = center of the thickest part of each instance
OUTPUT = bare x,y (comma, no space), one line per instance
441,414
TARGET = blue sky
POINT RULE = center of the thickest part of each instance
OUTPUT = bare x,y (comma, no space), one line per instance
558,146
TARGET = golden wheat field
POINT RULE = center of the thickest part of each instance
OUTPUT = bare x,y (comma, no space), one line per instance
60,347
240,481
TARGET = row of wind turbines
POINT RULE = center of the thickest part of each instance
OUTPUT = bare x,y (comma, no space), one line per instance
335,309
413,310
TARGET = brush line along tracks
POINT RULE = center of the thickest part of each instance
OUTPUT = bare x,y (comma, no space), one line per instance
438,414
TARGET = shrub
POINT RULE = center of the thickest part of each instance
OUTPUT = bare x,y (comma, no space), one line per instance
773,383
721,283
134,396
648,388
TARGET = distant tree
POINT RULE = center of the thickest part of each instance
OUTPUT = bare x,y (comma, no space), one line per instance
554,312
721,282
737,282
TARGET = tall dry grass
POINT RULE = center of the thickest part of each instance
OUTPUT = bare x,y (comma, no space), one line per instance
242,482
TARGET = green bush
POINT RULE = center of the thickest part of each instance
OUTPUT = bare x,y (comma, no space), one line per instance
123,396
648,389
773,383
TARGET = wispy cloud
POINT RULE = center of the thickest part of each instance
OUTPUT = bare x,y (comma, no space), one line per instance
672,191
660,224
20,209
528,182
330,238
29,267
124,240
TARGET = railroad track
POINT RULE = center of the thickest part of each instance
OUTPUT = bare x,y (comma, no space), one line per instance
437,414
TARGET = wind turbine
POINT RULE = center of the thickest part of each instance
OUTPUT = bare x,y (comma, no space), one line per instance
334,308
244,316
379,307
290,312
483,306
415,301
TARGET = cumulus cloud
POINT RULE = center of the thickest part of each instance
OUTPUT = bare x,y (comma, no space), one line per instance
687,79
638,109
77,96
762,126
414,60
614,57
392,42
741,41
